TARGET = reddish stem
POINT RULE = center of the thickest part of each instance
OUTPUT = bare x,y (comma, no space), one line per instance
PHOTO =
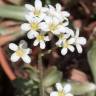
5,66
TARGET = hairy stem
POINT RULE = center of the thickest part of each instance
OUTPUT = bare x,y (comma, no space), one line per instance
40,65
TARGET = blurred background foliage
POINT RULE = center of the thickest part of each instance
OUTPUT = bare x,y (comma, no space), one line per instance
78,69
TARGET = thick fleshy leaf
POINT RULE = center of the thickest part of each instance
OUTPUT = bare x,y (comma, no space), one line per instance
13,46
14,57
26,59
51,77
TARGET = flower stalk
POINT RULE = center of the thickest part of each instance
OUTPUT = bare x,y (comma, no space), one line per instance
40,66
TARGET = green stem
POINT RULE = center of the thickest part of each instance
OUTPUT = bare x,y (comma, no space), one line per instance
40,65
12,12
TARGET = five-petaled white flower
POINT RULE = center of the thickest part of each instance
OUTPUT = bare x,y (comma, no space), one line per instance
41,39
38,10
62,91
79,41
66,44
20,52
32,27
51,25
58,13
62,37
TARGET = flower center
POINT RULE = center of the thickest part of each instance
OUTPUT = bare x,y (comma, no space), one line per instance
34,26
40,37
66,44
52,27
60,93
37,13
61,36
20,52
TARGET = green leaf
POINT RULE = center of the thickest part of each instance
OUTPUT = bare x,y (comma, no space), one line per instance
33,73
52,76
92,59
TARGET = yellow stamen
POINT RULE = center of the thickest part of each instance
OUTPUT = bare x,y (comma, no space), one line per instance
52,27
40,37
66,44
60,93
37,13
34,26
20,52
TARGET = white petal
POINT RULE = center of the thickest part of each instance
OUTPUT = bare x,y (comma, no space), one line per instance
59,42
48,20
71,40
29,7
55,21
81,40
66,22
58,7
27,51
67,88
46,38
69,94
14,57
54,93
38,4
29,17
26,59
52,9
79,48
77,32
64,51
25,27
36,42
65,14
71,48
42,45
59,86
43,26
32,34
13,46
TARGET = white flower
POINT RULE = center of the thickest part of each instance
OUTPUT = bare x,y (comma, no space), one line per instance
19,52
37,10
62,91
62,37
41,39
51,25
57,12
66,44
79,41
32,27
